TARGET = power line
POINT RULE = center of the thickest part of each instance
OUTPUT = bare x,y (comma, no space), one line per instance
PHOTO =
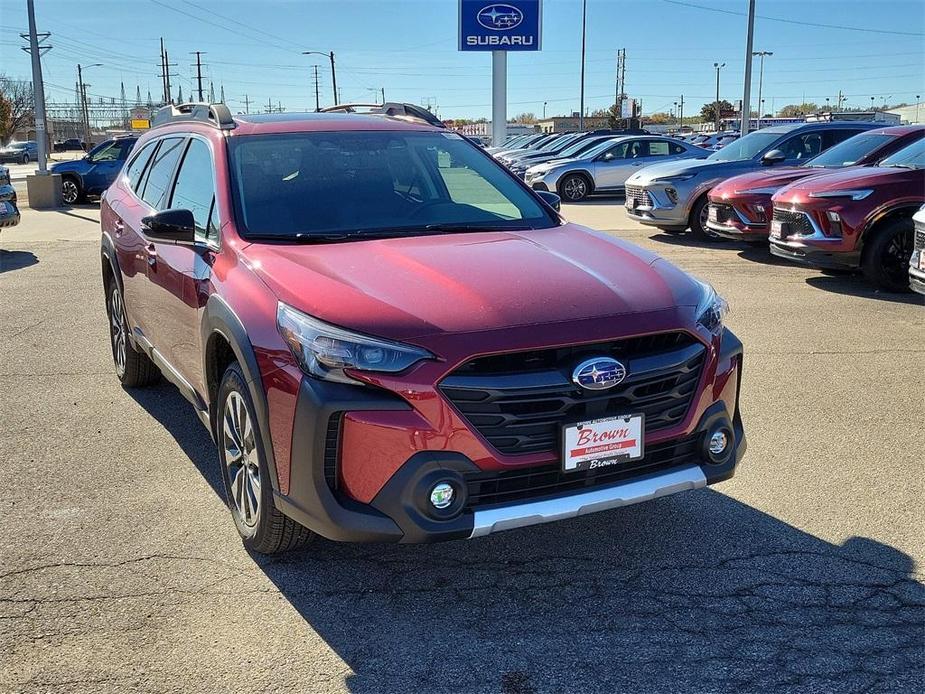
794,21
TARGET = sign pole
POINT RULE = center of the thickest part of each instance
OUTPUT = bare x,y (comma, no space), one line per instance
498,97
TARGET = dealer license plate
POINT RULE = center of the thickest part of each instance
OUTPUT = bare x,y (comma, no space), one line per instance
713,214
602,442
921,260
778,229
632,203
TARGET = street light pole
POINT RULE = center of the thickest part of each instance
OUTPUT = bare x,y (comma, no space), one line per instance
544,111
746,114
329,56
718,66
581,113
38,92
761,55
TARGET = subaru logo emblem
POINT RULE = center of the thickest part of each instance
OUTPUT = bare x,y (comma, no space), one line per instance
500,17
599,373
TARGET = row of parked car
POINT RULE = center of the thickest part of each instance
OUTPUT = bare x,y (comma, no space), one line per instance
839,196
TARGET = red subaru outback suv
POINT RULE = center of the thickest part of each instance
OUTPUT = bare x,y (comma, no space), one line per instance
740,207
857,218
392,338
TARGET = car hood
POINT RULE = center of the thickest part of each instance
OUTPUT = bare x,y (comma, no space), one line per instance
553,162
462,283
75,165
773,178
692,166
854,177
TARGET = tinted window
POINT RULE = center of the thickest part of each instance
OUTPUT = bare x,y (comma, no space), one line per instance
637,149
911,157
161,170
833,137
802,147
368,182
618,151
850,151
108,151
195,189
137,166
677,149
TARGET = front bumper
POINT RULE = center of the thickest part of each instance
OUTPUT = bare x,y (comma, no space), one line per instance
400,512
734,225
815,256
916,279
658,209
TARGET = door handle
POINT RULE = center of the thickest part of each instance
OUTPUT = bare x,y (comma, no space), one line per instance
151,252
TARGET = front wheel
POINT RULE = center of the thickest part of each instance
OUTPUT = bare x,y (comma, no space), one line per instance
25,158
248,489
574,188
698,221
70,191
885,262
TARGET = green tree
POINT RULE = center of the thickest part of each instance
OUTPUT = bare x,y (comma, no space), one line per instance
708,112
797,110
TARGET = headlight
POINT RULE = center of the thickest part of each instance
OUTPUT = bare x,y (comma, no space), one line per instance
324,351
758,191
679,177
712,308
853,194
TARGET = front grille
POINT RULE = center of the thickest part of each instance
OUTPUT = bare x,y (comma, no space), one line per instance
520,401
723,213
332,448
637,196
797,222
486,488
919,238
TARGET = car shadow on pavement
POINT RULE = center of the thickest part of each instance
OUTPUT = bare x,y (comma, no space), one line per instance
761,254
687,239
693,592
854,285
16,260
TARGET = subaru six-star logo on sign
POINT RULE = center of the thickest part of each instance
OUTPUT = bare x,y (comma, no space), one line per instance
500,17
599,373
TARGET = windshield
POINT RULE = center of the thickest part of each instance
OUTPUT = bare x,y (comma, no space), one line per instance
746,147
373,183
17,145
560,144
911,157
849,151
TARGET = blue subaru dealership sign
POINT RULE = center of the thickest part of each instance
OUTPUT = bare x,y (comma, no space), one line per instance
515,25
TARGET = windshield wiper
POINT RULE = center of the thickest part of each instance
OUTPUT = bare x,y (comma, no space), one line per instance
462,228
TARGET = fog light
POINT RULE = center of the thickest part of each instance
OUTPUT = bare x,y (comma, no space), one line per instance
672,195
441,496
718,443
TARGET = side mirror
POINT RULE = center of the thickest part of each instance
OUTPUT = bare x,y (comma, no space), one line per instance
170,226
775,156
551,199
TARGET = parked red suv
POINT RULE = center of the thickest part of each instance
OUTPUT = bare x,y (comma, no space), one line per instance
740,207
392,338
855,218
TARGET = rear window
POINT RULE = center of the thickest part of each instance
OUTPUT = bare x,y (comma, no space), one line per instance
363,182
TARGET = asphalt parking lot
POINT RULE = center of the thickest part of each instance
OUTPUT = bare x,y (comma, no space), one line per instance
121,571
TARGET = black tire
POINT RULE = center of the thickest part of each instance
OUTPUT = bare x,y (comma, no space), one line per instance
243,462
574,187
697,221
25,158
71,191
133,368
885,260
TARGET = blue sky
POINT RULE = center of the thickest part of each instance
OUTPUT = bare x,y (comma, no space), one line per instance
409,48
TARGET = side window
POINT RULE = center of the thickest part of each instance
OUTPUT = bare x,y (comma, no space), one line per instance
467,187
108,153
195,188
833,137
636,149
136,168
160,172
125,148
677,149
658,148
802,147
618,151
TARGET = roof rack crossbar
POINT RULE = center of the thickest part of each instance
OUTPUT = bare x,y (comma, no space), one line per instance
393,109
215,114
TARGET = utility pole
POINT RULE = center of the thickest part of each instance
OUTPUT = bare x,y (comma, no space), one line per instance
681,114
718,66
223,94
317,95
383,95
269,106
198,55
211,92
621,82
746,114
839,99
581,112
38,89
163,72
247,104
761,55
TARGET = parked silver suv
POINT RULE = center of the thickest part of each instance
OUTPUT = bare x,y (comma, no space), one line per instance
607,166
673,196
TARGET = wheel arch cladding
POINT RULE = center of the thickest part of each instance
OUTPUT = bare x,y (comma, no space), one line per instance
222,329
109,262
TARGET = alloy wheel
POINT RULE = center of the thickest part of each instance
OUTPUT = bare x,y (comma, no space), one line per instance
117,330
240,456
575,188
895,258
69,191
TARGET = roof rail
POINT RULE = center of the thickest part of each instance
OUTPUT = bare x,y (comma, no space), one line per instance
213,114
393,109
